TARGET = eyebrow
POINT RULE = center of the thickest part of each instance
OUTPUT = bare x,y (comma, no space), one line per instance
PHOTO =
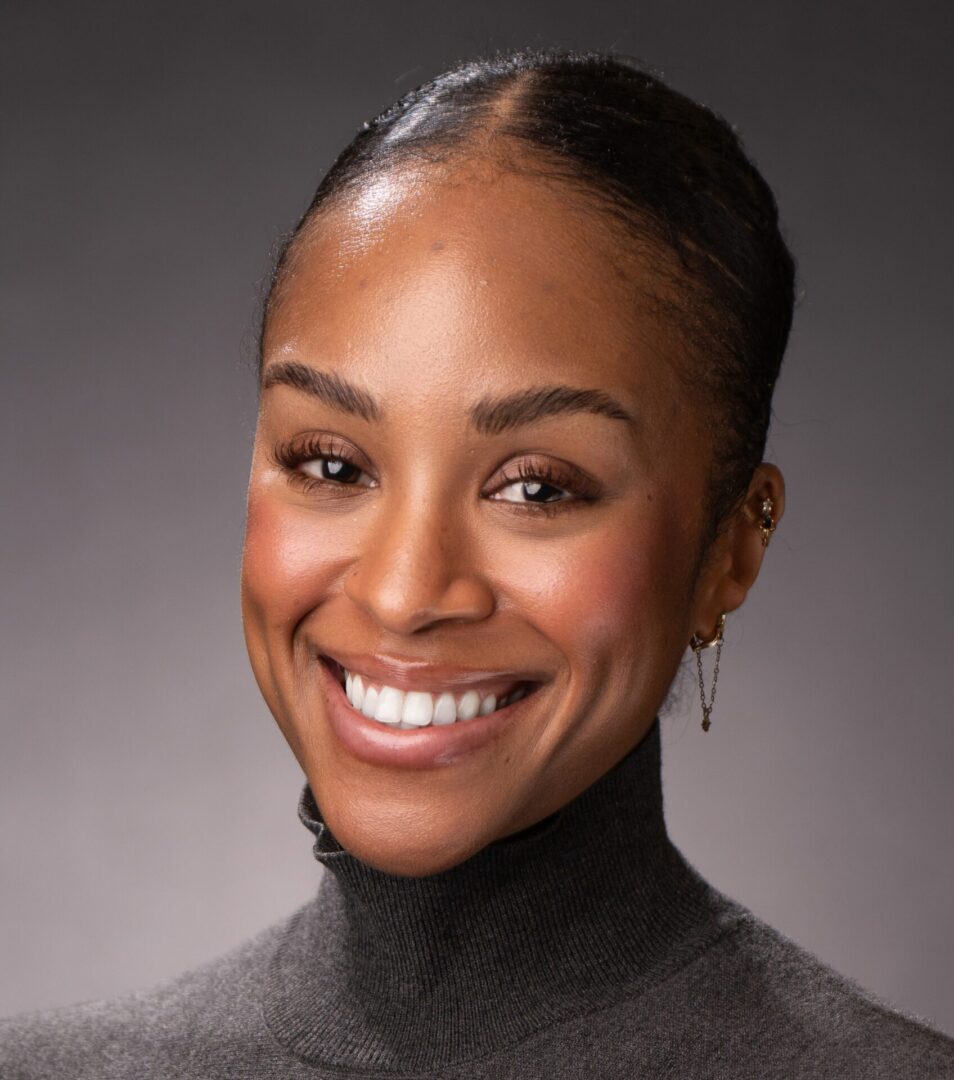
490,416
333,390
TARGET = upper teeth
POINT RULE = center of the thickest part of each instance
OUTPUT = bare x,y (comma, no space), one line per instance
418,708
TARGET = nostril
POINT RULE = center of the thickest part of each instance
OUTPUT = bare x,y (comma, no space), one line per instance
406,598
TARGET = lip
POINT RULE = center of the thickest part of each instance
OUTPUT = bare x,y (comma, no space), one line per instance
426,748
435,678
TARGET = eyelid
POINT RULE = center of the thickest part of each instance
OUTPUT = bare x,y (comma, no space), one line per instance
559,474
290,455
310,444
579,488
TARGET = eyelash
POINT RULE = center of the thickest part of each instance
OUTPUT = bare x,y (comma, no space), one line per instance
581,493
291,456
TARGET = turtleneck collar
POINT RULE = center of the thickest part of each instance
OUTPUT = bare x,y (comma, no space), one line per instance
387,973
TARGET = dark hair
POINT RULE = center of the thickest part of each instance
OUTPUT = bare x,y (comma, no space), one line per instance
670,169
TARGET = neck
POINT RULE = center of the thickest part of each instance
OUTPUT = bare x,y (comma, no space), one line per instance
381,971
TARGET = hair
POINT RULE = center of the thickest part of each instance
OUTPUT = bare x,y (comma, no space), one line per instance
670,170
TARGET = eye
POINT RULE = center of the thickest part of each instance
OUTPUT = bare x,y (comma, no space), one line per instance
543,485
320,462
531,491
336,469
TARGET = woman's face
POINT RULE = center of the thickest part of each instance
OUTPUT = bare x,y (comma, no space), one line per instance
475,475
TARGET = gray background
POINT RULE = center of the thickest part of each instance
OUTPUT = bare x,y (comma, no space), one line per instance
152,153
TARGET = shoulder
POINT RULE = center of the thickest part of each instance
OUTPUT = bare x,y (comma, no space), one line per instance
767,1007
192,1025
752,1005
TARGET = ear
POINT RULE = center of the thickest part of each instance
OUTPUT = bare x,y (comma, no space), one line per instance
736,554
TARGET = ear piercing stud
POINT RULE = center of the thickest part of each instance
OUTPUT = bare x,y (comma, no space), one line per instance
766,520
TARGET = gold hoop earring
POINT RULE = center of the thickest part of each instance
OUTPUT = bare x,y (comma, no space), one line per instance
698,646
767,520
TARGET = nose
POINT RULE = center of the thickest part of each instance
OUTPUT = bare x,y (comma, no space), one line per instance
416,568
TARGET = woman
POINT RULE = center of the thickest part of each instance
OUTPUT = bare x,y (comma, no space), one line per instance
516,371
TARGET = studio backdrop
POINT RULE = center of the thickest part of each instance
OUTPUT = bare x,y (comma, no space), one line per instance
152,155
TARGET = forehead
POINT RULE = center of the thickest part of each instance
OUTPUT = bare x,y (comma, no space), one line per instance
474,273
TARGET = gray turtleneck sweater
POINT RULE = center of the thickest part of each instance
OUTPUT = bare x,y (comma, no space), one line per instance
585,947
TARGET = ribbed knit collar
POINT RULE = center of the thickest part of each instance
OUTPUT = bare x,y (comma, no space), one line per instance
414,975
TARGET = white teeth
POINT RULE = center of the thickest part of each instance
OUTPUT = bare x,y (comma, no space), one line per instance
469,705
445,709
390,706
356,691
370,703
419,709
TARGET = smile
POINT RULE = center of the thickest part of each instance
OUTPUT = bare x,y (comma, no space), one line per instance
418,708
414,707
411,725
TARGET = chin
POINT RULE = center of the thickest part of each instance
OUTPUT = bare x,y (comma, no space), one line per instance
406,859
403,842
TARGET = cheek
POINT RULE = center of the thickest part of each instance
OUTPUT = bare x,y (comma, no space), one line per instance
288,563
612,600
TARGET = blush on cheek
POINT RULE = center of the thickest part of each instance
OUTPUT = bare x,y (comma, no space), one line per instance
615,601
610,599
291,559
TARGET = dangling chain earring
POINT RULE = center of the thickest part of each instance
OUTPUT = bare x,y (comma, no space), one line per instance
766,524
766,520
697,644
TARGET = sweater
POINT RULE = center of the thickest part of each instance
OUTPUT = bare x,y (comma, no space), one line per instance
585,946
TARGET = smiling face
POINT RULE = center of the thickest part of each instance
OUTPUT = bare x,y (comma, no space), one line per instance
477,485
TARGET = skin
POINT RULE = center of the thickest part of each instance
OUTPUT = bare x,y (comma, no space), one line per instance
430,291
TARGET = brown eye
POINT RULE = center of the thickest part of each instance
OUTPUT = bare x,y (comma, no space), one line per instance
332,469
532,491
545,486
322,463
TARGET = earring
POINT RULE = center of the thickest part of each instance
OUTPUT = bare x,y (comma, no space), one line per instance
698,645
766,520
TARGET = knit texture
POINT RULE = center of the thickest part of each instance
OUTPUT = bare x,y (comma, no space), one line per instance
586,946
